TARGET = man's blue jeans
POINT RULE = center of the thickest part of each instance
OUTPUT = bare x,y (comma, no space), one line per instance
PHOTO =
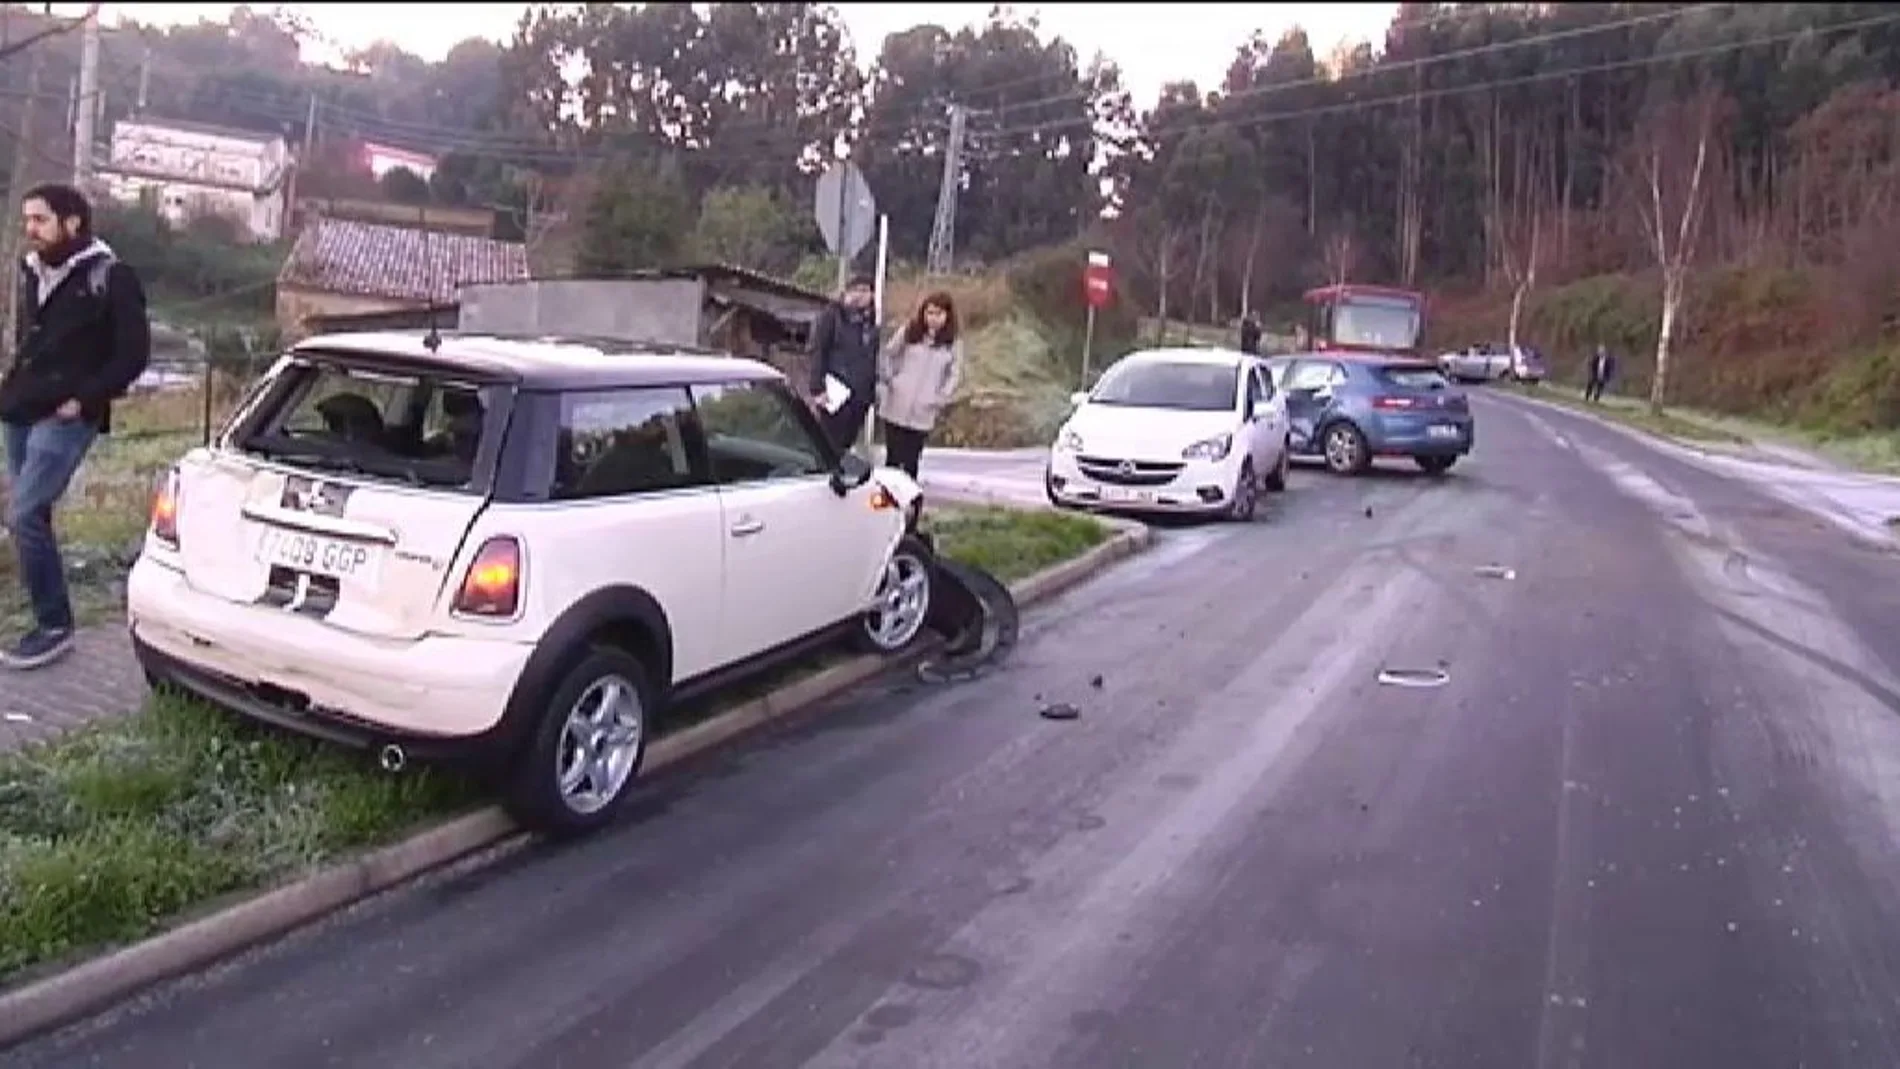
41,461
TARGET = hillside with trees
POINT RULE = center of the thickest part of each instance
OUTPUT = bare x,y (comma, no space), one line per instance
1558,171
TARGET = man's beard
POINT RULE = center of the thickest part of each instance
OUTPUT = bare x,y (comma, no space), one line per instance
58,252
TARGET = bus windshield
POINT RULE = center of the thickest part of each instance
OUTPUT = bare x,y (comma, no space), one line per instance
1376,323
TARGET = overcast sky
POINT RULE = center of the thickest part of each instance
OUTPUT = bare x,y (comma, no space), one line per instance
1153,43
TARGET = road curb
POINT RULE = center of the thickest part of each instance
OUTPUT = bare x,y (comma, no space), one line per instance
97,983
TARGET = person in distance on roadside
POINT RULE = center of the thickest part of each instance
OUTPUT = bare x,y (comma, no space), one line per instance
917,376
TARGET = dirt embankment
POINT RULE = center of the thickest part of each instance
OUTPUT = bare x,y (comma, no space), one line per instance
1022,334
1805,347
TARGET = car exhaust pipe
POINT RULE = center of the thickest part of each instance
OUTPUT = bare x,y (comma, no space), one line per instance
392,759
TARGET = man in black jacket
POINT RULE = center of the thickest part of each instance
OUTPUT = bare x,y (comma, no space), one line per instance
1250,333
83,340
844,346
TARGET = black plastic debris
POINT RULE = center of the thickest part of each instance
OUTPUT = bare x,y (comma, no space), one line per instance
1060,711
1368,512
1096,682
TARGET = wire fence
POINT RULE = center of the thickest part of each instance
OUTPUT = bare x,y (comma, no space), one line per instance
195,376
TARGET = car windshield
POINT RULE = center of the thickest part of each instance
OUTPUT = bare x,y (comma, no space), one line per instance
1413,377
1196,387
409,427
1376,323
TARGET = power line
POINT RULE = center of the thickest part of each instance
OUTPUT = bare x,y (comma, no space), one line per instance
1439,16
1385,68
1249,122
17,47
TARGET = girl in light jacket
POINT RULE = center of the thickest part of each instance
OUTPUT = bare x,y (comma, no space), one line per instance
917,374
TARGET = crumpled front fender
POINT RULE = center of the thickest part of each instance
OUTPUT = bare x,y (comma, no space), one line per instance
898,483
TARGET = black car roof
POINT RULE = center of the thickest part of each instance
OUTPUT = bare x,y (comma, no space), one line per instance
540,361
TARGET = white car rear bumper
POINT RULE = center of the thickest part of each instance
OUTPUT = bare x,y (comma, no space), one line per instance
442,686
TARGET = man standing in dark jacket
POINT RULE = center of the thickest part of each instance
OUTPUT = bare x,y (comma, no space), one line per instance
844,345
1250,333
1602,370
83,340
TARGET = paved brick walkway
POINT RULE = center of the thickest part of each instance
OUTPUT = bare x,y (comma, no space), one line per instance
98,679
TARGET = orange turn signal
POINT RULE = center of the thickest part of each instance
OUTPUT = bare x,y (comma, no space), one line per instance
165,508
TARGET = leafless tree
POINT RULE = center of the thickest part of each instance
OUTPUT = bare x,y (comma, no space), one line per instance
1673,155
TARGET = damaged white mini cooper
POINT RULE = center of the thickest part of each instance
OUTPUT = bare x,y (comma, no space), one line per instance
514,552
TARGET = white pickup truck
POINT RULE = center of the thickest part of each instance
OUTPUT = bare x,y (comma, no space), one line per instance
1488,361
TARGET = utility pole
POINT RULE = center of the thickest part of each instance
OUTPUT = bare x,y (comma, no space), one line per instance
18,181
303,160
943,234
145,78
87,105
310,128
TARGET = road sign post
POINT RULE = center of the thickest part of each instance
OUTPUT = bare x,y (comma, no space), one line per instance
1098,285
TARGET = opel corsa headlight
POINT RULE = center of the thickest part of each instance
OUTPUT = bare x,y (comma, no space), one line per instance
1069,441
1215,448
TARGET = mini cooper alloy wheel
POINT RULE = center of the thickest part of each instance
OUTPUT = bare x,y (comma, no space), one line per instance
600,744
902,602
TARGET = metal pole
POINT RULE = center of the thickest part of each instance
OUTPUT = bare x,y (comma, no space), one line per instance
210,373
86,104
844,224
868,433
1088,345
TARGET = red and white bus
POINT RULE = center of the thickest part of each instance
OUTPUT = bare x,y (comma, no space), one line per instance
1366,319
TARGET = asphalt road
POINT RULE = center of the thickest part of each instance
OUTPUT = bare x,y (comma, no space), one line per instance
1649,821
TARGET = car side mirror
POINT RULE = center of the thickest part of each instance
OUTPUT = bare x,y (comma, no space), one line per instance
1247,410
852,472
1077,400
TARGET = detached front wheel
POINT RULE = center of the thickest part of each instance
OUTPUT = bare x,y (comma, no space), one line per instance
902,602
587,748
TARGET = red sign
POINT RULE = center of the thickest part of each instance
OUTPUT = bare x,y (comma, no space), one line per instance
1098,280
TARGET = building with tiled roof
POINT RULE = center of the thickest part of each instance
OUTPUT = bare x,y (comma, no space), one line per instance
345,267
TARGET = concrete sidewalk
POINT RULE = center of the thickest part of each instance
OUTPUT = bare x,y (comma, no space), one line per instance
99,679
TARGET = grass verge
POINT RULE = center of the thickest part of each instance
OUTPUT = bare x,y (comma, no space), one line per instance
1878,453
100,522
114,831
1636,414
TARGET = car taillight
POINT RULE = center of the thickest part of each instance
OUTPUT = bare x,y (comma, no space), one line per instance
165,508
492,586
1391,404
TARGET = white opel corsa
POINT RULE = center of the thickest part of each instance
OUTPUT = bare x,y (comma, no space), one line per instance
513,551
1174,430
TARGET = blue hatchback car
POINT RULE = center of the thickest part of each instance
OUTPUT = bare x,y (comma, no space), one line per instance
1351,409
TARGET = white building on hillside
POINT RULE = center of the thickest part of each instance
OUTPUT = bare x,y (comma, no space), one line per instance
379,160
188,169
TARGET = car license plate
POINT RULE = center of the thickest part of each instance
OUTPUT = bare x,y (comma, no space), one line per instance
1442,431
1123,493
339,559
